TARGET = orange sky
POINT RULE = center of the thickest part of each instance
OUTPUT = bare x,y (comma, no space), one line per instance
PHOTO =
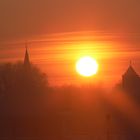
60,31
58,54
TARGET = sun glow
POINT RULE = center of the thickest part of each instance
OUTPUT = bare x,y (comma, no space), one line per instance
87,66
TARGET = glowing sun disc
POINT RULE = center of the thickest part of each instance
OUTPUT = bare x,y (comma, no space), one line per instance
87,66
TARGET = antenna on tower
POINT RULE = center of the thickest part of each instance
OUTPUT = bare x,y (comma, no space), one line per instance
26,45
130,62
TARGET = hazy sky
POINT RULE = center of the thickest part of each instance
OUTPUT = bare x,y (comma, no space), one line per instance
107,29
22,18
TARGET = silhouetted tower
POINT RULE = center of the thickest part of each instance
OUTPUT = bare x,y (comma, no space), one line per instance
131,81
26,58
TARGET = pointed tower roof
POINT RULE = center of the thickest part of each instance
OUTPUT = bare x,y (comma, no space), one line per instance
26,58
130,71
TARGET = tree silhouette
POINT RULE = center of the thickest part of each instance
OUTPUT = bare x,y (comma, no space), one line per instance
21,88
15,78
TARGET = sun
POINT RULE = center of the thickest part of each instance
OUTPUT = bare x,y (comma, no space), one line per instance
87,66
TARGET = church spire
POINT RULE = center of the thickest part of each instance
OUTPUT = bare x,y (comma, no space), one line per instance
26,58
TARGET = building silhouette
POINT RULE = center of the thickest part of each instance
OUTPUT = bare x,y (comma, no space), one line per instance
27,63
131,82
